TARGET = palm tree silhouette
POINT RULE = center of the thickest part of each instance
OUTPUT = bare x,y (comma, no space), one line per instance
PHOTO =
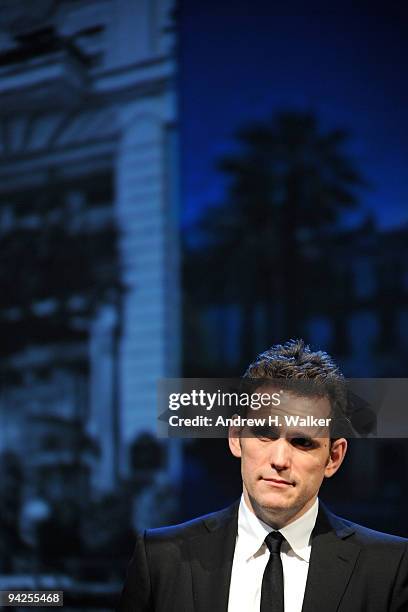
268,245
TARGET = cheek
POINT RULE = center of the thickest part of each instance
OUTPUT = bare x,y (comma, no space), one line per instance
251,454
251,463
248,464
315,469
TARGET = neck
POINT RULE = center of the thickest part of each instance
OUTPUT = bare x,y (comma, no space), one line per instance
276,518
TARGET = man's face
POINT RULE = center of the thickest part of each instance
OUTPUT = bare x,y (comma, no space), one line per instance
282,472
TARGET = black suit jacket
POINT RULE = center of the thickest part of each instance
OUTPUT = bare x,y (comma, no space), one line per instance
187,568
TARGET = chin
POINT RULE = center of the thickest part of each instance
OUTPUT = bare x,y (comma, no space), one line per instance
273,503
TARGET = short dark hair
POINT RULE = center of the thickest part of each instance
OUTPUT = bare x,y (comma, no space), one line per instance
294,359
303,371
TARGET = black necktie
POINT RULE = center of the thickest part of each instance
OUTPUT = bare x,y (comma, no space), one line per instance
272,581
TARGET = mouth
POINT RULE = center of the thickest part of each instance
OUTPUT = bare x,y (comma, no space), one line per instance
278,482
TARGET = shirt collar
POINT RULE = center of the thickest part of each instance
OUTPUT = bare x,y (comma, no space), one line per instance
252,532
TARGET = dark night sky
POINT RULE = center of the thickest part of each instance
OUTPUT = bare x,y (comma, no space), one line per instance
244,60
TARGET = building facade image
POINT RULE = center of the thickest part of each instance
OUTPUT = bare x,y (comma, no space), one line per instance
88,225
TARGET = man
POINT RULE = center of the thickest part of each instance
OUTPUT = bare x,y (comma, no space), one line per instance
278,549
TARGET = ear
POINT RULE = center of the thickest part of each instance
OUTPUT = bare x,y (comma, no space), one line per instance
234,440
337,454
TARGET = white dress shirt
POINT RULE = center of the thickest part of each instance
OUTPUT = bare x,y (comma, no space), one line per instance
251,556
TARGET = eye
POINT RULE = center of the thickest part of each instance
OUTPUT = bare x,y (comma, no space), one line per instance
264,433
302,442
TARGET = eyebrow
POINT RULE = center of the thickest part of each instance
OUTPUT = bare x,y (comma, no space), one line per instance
296,433
277,432
266,430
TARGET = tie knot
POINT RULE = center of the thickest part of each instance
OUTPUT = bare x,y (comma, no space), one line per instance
273,541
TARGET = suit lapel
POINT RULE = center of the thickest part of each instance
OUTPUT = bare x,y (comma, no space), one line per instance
332,561
211,561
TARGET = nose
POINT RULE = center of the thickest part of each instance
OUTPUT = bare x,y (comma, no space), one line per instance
280,454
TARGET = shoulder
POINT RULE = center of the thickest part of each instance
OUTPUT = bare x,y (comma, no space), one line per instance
193,528
363,536
366,536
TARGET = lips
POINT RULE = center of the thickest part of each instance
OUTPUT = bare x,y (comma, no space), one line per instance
278,482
